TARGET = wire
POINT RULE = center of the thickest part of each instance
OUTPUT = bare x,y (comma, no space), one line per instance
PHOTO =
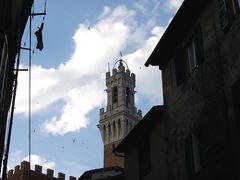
29,95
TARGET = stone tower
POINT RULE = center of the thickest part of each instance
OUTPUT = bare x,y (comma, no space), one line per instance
121,115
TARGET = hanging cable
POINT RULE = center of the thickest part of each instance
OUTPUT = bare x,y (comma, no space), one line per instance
29,95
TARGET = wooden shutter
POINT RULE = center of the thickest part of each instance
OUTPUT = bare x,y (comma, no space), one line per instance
223,15
237,6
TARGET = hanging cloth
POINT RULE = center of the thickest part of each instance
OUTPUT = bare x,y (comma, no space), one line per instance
38,34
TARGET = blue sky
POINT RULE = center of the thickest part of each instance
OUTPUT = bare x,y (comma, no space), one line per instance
68,76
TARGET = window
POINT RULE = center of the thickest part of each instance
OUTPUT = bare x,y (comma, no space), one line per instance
194,147
236,6
115,95
144,156
104,133
127,96
114,131
119,129
109,133
223,15
192,56
189,56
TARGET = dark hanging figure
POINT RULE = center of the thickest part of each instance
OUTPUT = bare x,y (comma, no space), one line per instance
38,34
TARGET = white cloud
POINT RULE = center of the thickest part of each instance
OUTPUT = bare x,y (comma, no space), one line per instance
79,81
36,159
16,157
174,4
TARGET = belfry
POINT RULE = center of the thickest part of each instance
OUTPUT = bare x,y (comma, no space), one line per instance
120,115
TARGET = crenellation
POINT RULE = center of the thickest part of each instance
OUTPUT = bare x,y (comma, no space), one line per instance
108,74
16,169
61,176
140,113
128,72
21,170
10,173
101,111
114,71
25,165
38,169
72,178
133,76
50,172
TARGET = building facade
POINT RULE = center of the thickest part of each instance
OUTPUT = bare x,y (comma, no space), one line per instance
199,55
121,115
13,18
144,147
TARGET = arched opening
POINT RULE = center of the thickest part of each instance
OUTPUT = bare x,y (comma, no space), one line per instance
115,95
104,134
109,133
114,131
127,126
131,126
119,129
127,96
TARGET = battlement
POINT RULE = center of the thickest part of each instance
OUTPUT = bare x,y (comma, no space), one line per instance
110,111
23,170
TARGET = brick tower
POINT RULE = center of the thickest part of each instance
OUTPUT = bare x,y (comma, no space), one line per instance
121,115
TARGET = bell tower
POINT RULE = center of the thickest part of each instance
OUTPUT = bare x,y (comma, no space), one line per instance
120,115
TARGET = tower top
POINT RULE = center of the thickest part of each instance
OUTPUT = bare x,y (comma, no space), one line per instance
120,66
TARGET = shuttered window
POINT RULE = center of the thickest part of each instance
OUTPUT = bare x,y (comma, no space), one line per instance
236,4
188,58
193,154
223,15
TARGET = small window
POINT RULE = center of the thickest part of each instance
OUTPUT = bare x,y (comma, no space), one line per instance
109,133
115,95
119,129
194,153
189,56
104,133
114,131
144,153
223,15
236,6
192,60
127,96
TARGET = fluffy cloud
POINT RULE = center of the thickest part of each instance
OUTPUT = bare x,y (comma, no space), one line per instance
35,159
79,82
16,157
174,4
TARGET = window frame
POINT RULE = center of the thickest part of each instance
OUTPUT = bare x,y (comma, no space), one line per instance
115,95
236,7
191,56
223,15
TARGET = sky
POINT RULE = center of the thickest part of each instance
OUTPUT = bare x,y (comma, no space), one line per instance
68,76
